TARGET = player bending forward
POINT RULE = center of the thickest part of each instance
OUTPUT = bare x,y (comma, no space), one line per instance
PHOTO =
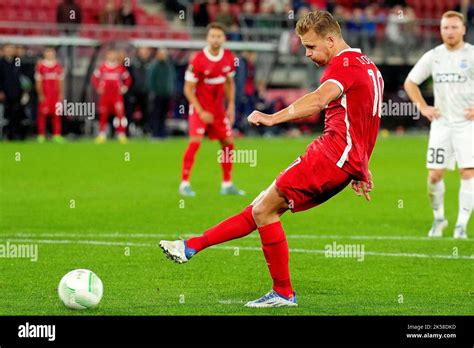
351,92
452,118
209,80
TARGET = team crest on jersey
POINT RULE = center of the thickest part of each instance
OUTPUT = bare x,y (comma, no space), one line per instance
226,69
464,64
206,72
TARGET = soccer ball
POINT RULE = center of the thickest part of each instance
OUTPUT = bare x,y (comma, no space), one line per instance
80,289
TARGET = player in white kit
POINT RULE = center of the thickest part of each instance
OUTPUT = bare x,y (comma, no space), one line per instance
452,118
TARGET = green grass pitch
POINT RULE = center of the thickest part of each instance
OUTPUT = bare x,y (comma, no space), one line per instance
86,206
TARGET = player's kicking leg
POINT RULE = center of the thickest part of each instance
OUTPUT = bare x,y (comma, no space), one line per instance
436,191
264,215
227,186
188,161
466,201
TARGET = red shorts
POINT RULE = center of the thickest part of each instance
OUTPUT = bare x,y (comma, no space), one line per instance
111,104
219,129
48,107
311,180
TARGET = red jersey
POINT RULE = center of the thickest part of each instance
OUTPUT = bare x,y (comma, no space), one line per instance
50,74
114,79
352,120
210,73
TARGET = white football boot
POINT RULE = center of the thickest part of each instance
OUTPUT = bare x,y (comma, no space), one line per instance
437,228
460,232
272,299
177,250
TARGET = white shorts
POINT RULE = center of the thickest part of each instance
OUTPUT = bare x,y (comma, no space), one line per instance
450,144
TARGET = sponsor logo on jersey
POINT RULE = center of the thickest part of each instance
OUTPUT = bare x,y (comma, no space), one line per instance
215,80
450,77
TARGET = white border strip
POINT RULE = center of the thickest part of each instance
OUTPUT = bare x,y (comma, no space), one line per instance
310,251
254,235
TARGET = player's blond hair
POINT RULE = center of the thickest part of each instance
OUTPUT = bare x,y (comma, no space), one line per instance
451,14
321,22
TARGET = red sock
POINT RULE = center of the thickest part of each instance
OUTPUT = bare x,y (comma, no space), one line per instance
56,120
227,163
103,118
120,124
41,123
234,227
275,249
188,159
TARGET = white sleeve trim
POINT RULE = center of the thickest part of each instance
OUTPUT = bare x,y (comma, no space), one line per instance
231,74
189,76
341,87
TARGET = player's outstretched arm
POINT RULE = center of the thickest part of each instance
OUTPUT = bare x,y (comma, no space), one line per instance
416,97
308,105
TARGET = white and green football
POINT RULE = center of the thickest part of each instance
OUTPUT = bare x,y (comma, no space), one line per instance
80,289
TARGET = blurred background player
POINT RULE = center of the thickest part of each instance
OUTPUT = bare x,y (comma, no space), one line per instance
209,81
452,118
11,93
351,92
111,81
49,76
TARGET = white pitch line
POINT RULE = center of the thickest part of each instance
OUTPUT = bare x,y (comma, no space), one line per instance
312,251
255,235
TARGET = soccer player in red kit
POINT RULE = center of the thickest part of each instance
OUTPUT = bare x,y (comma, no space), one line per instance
209,80
111,81
351,93
49,76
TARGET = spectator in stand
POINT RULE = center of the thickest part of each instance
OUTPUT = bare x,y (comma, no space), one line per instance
225,16
11,93
265,18
247,15
69,13
409,28
341,16
30,98
354,27
264,105
466,7
370,28
277,6
126,14
138,94
245,88
109,14
398,39
200,13
393,29
162,84
234,33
